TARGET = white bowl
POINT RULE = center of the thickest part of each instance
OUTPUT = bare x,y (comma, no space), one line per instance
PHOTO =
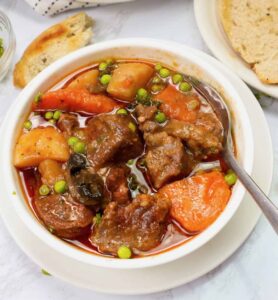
176,56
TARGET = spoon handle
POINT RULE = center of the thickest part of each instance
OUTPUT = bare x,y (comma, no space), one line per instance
265,204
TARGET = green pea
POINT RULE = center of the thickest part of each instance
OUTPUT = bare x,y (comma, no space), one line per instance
27,124
230,178
156,79
121,111
185,87
72,141
142,94
103,66
97,218
164,72
132,126
177,78
130,162
57,115
52,121
156,88
60,186
158,67
160,117
124,252
109,61
193,104
79,147
48,115
44,190
105,79
38,97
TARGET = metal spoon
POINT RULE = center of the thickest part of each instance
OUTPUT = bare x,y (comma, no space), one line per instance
223,113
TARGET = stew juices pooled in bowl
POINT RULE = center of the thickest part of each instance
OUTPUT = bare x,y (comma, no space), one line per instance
114,160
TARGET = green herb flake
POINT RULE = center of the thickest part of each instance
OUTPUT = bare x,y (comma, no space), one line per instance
1,47
14,193
44,272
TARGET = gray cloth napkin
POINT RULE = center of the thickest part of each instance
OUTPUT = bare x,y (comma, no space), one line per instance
53,7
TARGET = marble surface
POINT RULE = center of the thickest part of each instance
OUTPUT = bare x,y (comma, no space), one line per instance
251,273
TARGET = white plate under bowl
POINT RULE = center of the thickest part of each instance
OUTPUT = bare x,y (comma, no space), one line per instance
181,271
208,21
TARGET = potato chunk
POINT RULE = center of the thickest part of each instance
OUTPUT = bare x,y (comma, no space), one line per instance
127,79
51,171
40,144
87,80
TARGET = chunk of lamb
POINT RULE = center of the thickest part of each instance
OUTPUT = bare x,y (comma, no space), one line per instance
145,117
109,138
204,138
166,158
67,123
63,216
116,183
139,225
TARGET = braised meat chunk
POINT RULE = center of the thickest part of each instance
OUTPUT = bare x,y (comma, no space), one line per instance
145,117
63,216
112,138
139,225
67,123
116,183
166,158
204,138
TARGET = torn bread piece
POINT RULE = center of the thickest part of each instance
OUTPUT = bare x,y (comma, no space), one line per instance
252,28
55,42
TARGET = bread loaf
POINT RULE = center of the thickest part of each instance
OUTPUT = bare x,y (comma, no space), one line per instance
252,28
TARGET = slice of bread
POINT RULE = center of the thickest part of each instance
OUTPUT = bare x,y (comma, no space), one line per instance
57,41
252,28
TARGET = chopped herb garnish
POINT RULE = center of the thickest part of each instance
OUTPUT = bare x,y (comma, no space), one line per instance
1,47
44,272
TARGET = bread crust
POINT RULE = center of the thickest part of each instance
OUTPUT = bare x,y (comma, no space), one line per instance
55,42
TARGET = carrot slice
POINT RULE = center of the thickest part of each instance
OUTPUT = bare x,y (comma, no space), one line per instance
177,105
76,100
198,200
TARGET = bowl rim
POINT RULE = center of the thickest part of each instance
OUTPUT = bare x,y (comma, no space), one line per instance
9,126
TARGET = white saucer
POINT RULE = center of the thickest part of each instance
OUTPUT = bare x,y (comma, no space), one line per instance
180,271
213,34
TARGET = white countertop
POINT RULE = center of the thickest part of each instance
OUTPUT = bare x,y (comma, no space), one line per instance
251,273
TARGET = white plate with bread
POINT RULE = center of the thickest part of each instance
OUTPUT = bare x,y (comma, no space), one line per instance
244,37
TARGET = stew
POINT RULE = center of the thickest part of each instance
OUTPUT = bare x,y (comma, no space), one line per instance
123,159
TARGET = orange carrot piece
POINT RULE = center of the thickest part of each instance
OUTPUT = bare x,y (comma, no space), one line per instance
76,100
198,200
176,105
